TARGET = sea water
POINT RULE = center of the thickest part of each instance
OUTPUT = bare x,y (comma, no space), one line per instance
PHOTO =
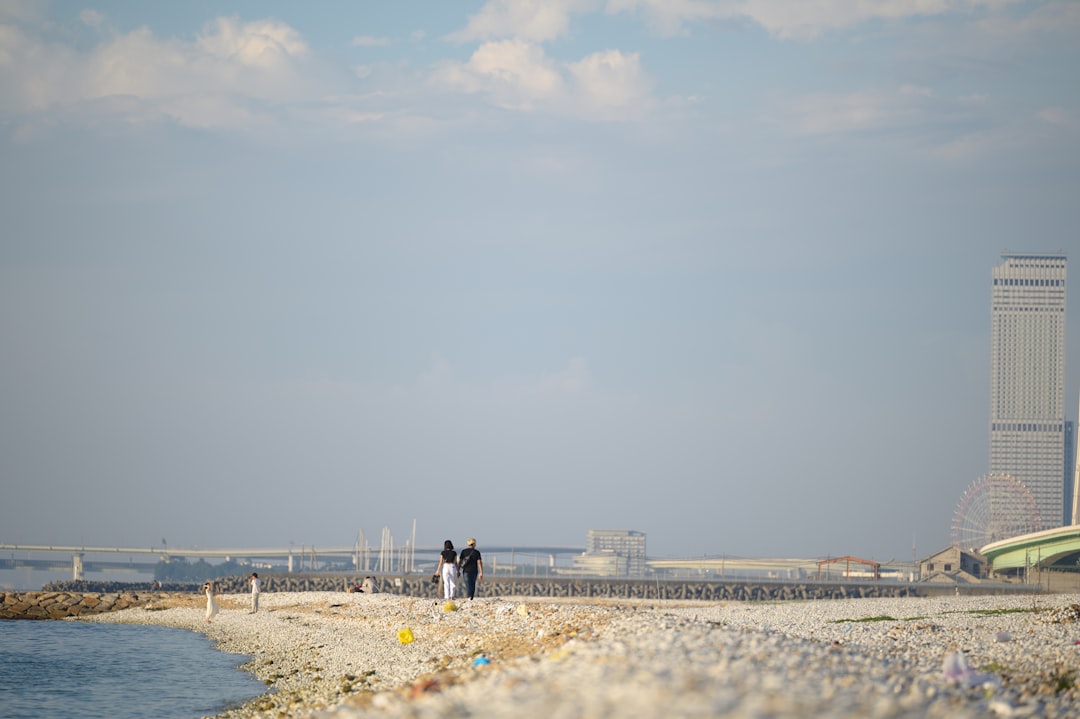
81,670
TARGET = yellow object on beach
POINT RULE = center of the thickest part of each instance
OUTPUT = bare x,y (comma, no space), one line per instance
449,607
405,636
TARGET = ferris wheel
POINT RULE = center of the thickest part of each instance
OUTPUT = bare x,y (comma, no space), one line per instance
996,506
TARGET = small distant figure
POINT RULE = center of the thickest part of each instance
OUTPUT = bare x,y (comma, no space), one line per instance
256,586
472,566
155,585
211,603
368,587
448,569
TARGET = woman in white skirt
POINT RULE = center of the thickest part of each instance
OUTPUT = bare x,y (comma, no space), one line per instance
448,569
211,603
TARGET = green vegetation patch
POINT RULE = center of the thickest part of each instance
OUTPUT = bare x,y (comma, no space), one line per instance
1064,682
882,618
996,612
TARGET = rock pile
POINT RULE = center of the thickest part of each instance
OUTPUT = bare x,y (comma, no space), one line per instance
59,605
1062,615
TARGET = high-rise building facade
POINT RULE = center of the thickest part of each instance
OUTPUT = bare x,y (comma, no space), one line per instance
1027,379
626,544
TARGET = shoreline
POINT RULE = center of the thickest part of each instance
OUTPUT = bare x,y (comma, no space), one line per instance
337,654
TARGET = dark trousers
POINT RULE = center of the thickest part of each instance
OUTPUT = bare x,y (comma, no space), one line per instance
470,584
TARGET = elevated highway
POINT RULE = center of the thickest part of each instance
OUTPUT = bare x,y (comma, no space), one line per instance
547,560
81,559
1036,550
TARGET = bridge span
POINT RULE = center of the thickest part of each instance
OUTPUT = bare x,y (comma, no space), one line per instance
499,560
1036,550
365,558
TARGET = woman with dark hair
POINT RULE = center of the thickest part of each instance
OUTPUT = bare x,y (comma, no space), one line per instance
447,569
211,603
256,587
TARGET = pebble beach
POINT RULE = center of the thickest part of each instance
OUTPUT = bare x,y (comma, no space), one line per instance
352,655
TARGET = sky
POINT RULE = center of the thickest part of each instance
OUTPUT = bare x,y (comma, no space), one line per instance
714,270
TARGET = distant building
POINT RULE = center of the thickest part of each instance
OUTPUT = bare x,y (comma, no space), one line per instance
953,564
604,564
624,547
1072,516
1027,380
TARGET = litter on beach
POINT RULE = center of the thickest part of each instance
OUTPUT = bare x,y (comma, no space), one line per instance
957,669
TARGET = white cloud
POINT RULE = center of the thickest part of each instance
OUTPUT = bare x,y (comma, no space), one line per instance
511,69
610,81
514,74
518,75
261,43
533,20
213,81
791,18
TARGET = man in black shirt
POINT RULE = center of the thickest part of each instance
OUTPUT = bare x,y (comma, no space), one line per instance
472,566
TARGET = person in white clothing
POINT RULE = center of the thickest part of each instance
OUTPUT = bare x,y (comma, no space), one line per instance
211,603
448,569
256,586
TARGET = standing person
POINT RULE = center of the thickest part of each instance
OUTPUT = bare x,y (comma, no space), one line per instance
448,569
472,566
256,586
211,603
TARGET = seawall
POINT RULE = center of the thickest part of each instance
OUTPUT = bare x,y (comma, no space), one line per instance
67,599
739,590
60,605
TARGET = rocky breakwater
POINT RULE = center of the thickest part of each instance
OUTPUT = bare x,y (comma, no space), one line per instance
60,605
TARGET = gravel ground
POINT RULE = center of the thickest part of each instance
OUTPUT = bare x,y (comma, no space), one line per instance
340,656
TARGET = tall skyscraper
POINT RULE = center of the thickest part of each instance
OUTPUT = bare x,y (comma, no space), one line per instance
1027,379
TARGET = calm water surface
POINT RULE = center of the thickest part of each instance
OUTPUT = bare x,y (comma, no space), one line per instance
80,670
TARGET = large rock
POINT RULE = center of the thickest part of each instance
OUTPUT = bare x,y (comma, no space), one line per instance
58,605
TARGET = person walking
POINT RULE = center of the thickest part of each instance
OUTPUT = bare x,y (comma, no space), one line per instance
256,587
211,603
472,567
447,569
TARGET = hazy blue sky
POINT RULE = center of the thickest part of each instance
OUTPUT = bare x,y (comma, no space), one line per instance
717,271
